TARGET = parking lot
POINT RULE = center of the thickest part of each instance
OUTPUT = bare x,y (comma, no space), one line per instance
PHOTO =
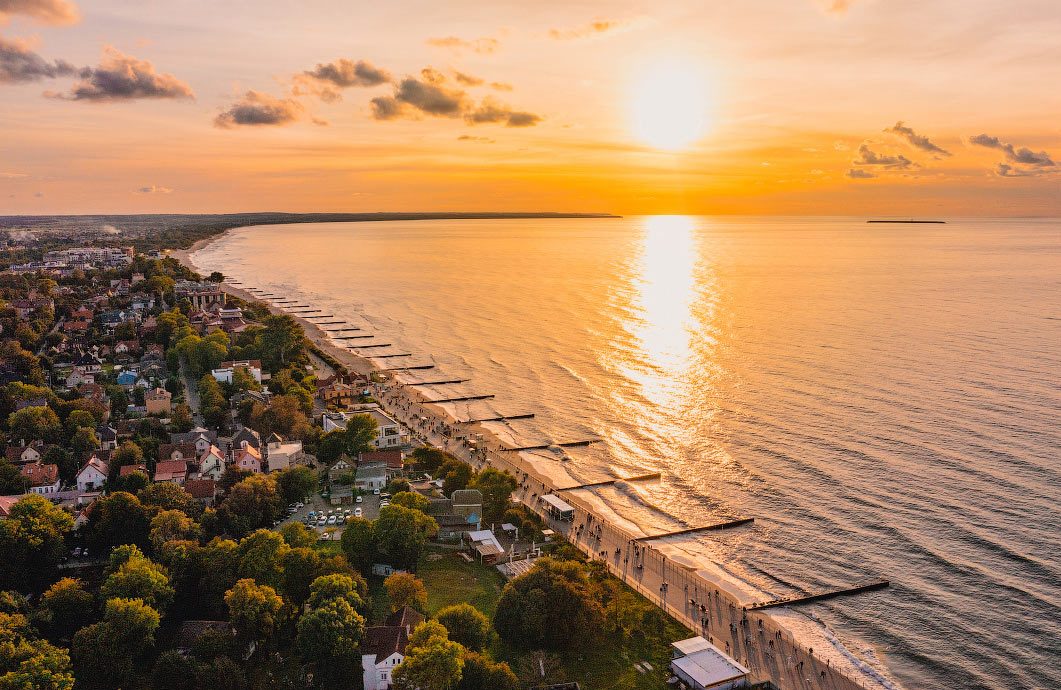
369,508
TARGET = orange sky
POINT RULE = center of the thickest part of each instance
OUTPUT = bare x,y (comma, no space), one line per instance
324,105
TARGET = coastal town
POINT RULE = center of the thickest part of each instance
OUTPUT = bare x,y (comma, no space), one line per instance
193,491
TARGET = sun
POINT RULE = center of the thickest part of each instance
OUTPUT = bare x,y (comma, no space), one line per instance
668,108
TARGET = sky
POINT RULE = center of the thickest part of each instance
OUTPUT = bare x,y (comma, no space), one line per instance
794,107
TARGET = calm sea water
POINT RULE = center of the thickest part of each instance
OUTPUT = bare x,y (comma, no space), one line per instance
884,400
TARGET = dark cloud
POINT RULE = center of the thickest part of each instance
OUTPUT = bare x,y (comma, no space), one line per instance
430,97
155,189
467,79
856,174
1021,156
1006,170
326,79
481,140
257,109
867,156
491,111
19,64
386,108
483,46
916,140
594,28
123,77
45,11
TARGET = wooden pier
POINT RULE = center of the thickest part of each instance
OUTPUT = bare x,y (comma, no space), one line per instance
500,418
706,528
462,398
609,482
819,596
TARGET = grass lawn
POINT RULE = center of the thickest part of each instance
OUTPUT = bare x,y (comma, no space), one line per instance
452,580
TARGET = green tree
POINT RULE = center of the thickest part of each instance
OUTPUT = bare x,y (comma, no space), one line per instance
172,525
128,453
79,419
12,483
553,606
455,475
466,625
359,542
281,339
169,496
360,432
299,567
32,541
252,503
331,632
479,673
351,588
496,487
405,589
255,610
212,401
410,500
298,535
295,483
398,485
66,607
260,556
84,441
36,423
105,654
27,663
118,519
435,666
429,458
400,535
139,578
331,446
283,415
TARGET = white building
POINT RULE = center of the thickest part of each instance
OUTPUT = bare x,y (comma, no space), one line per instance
281,454
226,370
211,464
383,648
92,476
388,432
701,665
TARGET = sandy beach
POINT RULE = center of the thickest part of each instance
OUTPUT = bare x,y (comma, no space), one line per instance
690,591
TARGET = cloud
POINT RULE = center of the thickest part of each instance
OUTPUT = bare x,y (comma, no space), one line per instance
481,140
19,64
155,189
483,46
866,156
256,109
916,140
490,111
467,79
1021,156
594,28
44,11
386,108
500,86
326,79
856,174
122,77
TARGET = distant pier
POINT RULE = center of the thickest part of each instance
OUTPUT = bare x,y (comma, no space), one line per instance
819,596
705,528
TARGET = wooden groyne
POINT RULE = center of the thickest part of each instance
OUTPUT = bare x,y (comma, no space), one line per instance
462,398
435,383
415,367
819,596
545,446
366,347
329,323
300,312
354,337
705,528
609,482
500,418
323,316
400,354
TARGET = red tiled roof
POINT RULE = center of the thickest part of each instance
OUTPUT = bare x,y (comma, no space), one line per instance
41,475
201,489
165,470
7,503
126,470
393,458
384,640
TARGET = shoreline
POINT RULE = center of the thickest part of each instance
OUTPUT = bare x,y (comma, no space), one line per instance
787,661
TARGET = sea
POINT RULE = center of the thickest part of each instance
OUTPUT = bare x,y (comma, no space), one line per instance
883,399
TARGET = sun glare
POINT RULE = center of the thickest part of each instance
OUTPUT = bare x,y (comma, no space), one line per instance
669,105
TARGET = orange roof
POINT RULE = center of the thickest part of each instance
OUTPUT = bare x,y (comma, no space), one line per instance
41,475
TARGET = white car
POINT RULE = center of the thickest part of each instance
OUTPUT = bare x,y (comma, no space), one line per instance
331,520
357,512
359,499
375,492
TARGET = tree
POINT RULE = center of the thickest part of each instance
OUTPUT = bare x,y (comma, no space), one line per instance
66,607
331,632
128,453
169,496
359,542
281,338
352,588
260,555
400,535
212,401
118,519
496,487
297,535
455,475
479,673
36,423
295,483
79,419
405,589
331,446
360,432
84,441
139,578
172,525
252,503
410,500
466,625
299,567
32,541
283,415
27,663
435,666
255,610
63,459
553,606
12,483
105,653
398,485
429,458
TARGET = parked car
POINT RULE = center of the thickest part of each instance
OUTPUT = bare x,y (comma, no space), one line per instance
331,520
325,537
359,499
357,512
375,492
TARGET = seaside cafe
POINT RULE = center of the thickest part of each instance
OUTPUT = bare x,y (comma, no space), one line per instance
558,508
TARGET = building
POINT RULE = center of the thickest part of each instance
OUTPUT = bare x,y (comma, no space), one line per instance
126,470
342,466
558,508
43,479
281,454
211,464
394,460
202,296
383,647
24,455
700,665
200,438
6,504
371,476
202,490
92,476
175,471
157,401
468,503
226,370
248,459
485,545
388,432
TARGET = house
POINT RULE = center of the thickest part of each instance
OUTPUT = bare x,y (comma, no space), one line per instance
157,401
484,544
202,490
127,378
88,363
281,454
92,476
24,455
108,437
175,471
383,647
339,394
77,378
388,432
248,459
191,632
701,665
342,466
6,504
199,437
201,295
468,503
371,476
177,451
393,459
43,479
245,437
211,464
226,370
92,391
126,470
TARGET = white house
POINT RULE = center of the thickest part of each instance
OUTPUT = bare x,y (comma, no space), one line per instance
92,476
43,479
383,647
226,370
701,665
211,464
281,454
388,432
